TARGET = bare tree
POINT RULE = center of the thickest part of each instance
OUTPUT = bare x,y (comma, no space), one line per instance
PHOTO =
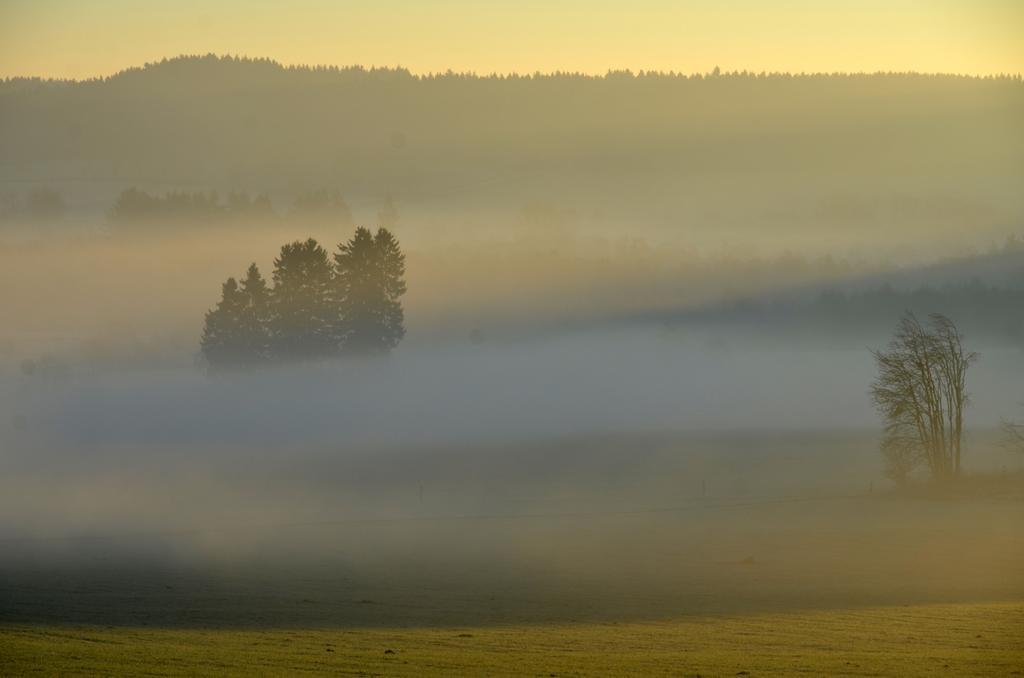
921,394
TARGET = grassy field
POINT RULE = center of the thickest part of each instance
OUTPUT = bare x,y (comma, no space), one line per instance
924,640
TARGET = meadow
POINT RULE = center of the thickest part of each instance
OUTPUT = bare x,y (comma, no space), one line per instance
922,640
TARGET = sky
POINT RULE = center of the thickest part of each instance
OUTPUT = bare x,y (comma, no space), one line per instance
87,38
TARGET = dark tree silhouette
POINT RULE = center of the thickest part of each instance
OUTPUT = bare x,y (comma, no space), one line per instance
235,333
921,394
360,298
370,272
222,342
134,205
304,316
255,319
392,276
315,309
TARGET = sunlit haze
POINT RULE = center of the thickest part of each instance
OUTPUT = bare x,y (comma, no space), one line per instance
430,339
87,38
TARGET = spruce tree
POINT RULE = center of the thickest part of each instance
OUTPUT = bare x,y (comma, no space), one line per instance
369,282
304,316
358,294
222,338
235,333
255,319
391,262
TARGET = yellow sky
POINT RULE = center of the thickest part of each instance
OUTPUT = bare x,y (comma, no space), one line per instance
81,38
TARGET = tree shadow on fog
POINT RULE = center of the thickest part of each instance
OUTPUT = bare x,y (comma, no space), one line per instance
703,574
597,529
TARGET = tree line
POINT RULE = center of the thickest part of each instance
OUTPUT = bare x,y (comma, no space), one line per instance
134,205
993,311
37,204
235,120
358,73
317,306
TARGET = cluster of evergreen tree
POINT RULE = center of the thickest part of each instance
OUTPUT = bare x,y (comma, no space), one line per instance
316,308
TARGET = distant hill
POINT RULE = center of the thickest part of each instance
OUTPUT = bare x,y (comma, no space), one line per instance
984,293
857,151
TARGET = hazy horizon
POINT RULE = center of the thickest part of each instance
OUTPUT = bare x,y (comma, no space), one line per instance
694,36
554,72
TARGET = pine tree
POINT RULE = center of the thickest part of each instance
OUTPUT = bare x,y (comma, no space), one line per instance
235,333
359,294
392,273
369,282
222,331
255,317
304,316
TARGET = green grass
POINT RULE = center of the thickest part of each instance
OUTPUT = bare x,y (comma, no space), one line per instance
922,640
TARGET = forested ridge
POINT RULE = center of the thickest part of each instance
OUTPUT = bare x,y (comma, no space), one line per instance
189,119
